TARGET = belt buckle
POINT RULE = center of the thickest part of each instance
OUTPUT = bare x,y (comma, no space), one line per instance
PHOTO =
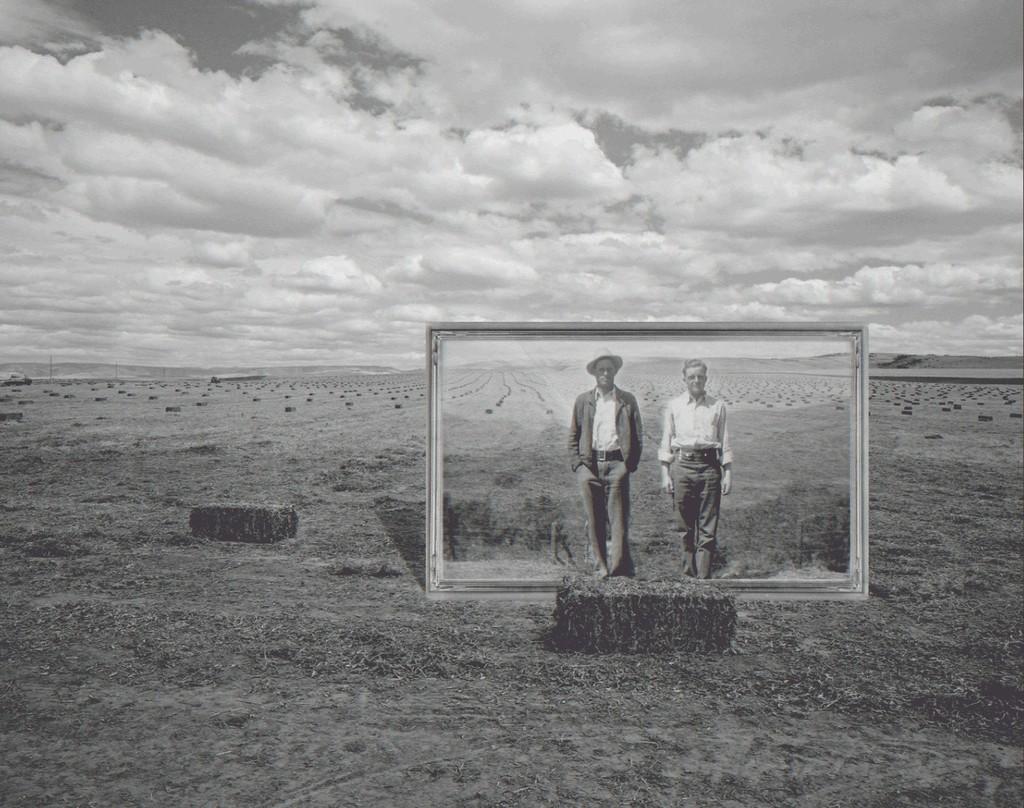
600,455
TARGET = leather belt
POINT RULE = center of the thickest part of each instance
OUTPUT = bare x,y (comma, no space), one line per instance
603,457
703,455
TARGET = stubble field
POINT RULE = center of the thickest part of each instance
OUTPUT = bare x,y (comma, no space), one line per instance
141,666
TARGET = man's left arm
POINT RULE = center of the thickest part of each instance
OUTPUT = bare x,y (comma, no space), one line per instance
639,428
723,438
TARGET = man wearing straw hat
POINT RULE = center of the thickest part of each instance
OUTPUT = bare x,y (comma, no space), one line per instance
605,442
696,465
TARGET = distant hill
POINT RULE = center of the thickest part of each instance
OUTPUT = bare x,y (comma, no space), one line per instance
952,362
88,370
831,364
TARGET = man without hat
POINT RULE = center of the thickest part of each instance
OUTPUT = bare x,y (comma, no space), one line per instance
696,465
605,442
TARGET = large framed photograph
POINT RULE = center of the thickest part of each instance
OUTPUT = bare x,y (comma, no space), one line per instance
727,452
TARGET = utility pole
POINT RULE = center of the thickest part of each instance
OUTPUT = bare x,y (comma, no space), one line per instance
51,368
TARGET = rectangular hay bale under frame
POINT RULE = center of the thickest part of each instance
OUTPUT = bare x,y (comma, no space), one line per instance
633,616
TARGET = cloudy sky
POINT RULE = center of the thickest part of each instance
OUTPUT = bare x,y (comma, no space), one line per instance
281,181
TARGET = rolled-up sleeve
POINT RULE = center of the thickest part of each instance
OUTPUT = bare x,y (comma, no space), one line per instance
669,424
723,437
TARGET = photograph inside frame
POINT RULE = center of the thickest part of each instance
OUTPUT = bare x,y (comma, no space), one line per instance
722,453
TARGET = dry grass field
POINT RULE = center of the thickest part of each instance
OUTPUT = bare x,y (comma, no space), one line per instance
140,666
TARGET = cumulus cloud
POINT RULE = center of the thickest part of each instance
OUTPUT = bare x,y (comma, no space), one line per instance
331,274
393,162
982,130
896,285
550,161
54,26
223,253
697,66
456,268
974,334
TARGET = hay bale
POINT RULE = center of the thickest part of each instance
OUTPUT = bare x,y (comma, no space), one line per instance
262,524
369,567
172,409
11,416
630,616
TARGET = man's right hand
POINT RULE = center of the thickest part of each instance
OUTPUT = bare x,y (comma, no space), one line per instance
666,484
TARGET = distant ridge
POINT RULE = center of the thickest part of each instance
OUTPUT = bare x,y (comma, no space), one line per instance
40,371
951,362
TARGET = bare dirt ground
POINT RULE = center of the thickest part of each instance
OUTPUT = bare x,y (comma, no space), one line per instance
139,666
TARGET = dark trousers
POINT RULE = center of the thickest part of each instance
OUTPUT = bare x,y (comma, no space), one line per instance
606,503
698,495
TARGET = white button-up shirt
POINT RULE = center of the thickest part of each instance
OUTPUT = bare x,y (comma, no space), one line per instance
691,424
606,434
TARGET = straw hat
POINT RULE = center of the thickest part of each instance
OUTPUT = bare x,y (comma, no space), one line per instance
606,355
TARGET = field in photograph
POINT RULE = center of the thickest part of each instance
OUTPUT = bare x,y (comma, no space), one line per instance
143,666
508,479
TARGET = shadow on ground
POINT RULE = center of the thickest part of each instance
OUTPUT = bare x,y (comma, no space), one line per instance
404,523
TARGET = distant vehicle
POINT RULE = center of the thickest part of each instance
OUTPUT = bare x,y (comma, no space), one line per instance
15,379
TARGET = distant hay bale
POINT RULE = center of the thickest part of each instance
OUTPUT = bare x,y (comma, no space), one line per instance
289,409
11,416
261,524
172,409
630,616
984,417
368,567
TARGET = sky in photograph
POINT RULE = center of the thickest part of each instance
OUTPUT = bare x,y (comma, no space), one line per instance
312,181
495,352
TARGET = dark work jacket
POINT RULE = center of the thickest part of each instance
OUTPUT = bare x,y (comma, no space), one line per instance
627,423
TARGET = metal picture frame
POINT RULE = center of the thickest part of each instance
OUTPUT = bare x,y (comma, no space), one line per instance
499,474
